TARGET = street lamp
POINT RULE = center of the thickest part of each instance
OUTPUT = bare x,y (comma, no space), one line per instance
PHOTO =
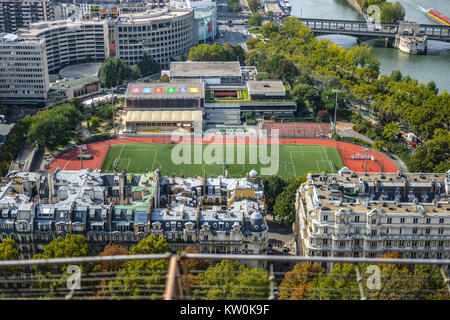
335,109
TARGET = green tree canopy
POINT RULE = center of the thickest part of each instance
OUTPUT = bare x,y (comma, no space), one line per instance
142,277
113,72
273,187
284,208
230,280
148,66
8,250
255,20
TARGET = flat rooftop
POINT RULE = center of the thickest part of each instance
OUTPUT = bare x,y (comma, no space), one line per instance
205,69
72,83
272,88
148,90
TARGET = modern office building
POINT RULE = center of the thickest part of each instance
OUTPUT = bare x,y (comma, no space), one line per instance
70,42
15,14
23,70
366,215
164,34
213,215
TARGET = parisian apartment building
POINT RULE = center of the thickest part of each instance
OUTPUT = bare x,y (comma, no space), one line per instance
16,14
213,215
366,215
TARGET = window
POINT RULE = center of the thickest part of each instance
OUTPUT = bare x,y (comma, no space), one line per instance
357,230
356,218
356,254
325,241
401,243
441,230
427,231
388,243
415,231
374,221
357,242
387,230
341,243
414,243
441,220
205,238
400,231
374,233
413,255
389,220
325,230
415,220
440,243
402,220
427,243
428,220
325,217
373,244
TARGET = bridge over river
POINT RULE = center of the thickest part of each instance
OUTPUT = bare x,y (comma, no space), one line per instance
360,29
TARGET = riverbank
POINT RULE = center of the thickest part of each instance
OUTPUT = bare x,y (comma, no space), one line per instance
355,5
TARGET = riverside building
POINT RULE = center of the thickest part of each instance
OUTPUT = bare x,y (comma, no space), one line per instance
365,215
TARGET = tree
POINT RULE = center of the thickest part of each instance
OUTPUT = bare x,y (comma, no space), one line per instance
8,250
231,280
306,96
273,187
284,208
296,282
396,75
164,78
433,155
189,269
68,247
269,29
140,277
253,5
432,86
148,66
391,13
135,72
255,20
94,122
391,131
110,267
113,72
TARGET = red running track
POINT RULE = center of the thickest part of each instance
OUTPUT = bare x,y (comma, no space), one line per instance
69,160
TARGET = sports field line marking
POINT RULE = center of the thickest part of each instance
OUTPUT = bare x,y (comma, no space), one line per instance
326,155
292,161
154,158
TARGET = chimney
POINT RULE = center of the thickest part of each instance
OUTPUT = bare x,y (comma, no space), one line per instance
51,190
149,210
110,213
204,183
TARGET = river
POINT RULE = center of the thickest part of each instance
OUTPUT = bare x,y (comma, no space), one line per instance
435,65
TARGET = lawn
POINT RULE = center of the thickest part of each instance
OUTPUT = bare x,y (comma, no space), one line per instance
294,160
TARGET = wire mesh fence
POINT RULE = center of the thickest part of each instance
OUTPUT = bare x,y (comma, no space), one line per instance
224,277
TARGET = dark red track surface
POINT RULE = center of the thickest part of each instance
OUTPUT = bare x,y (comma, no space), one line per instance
99,150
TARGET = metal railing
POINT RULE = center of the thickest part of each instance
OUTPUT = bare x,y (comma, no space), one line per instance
223,277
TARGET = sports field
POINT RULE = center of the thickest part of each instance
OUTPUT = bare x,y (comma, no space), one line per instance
293,160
